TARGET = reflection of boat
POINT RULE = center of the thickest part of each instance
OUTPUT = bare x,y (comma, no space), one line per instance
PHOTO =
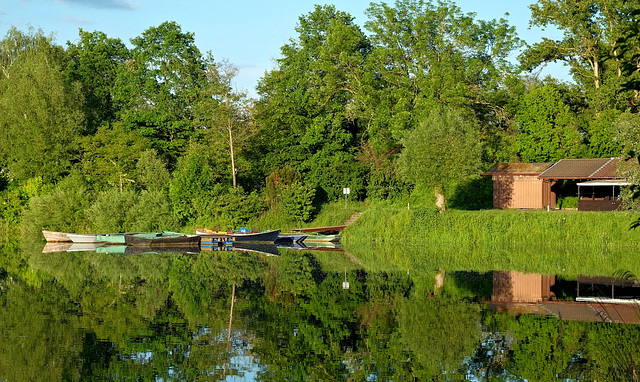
290,245
325,246
136,249
56,247
263,236
56,237
291,238
264,248
76,247
117,249
215,247
83,237
162,239
317,246
315,238
70,247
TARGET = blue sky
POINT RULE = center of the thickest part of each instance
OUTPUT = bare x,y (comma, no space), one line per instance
249,33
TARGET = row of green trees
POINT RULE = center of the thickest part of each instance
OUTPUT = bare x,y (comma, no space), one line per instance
423,95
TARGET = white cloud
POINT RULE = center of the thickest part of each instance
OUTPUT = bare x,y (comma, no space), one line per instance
103,4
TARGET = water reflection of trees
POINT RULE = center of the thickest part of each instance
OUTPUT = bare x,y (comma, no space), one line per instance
100,316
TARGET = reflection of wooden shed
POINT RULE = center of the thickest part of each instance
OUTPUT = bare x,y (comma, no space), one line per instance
511,286
516,185
519,293
589,169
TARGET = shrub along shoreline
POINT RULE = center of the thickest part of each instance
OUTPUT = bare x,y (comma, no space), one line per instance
555,242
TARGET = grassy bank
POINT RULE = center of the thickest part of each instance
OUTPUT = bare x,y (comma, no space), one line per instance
329,215
556,242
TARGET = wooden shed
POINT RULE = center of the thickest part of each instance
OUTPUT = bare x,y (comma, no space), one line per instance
517,185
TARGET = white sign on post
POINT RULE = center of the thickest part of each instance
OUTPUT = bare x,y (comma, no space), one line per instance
346,191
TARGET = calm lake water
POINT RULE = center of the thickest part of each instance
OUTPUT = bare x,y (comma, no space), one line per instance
302,315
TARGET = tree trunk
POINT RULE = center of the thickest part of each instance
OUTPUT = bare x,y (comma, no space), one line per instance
596,73
440,200
230,130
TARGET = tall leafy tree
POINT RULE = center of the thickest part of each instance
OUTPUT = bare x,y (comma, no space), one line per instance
156,88
223,110
593,31
603,136
110,156
546,127
442,151
94,62
308,104
41,115
431,52
16,43
197,180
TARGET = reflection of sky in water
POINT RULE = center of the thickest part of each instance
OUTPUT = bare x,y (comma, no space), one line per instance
246,366
142,357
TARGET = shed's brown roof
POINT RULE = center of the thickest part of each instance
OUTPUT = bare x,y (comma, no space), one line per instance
591,168
517,168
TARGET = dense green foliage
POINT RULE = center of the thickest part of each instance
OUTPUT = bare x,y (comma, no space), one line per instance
409,107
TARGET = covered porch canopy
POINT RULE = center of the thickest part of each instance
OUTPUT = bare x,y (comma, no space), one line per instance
600,195
578,170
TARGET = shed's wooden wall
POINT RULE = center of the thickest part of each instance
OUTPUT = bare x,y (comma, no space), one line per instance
517,191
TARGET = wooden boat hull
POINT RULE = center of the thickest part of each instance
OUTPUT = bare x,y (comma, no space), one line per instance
56,237
264,236
118,238
162,240
83,237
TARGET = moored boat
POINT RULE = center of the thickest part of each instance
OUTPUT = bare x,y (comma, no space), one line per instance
118,238
162,239
56,237
83,237
238,236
